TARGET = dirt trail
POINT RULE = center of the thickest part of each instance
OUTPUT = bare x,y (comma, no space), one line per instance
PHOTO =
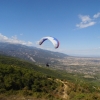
65,88
65,96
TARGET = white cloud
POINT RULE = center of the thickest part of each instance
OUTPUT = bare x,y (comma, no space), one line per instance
85,18
84,25
96,15
14,40
86,21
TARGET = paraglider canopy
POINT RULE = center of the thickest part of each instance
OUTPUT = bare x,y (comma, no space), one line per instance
52,39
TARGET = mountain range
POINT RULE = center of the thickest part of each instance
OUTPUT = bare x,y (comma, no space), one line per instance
30,53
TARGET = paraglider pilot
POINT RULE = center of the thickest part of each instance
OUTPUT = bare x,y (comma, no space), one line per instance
47,64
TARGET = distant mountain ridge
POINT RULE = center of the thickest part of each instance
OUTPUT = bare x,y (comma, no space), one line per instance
28,53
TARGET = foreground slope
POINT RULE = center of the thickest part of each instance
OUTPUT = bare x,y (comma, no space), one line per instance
17,78
23,80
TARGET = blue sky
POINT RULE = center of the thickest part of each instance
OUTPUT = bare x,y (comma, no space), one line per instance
75,23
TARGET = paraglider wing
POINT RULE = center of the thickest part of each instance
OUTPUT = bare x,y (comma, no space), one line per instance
52,39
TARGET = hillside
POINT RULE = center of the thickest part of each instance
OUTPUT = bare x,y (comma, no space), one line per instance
20,79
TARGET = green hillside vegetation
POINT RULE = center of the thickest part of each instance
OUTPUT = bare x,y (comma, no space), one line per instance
20,79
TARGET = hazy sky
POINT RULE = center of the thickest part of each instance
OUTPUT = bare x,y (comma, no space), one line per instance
75,23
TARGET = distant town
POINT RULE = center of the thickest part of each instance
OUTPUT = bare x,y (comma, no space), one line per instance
88,66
